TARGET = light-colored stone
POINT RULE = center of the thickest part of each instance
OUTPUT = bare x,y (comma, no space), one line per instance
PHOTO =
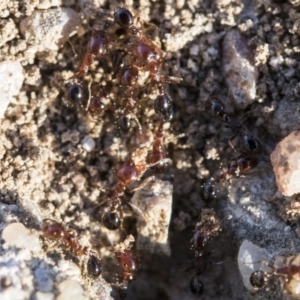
11,78
154,202
238,67
285,160
17,235
70,289
51,28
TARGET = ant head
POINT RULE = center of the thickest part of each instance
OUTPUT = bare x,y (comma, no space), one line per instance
214,106
124,123
258,279
128,260
111,220
52,229
196,285
94,267
163,107
76,95
123,17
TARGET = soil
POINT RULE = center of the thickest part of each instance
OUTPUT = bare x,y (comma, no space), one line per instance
46,172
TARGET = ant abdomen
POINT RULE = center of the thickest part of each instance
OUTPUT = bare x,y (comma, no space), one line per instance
77,95
196,285
98,43
251,144
214,106
129,76
258,279
163,107
111,220
94,267
123,17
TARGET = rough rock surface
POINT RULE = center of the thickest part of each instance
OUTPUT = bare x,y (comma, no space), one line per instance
286,164
154,203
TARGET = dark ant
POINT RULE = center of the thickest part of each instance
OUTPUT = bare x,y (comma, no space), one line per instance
216,109
130,172
287,268
249,157
56,231
205,230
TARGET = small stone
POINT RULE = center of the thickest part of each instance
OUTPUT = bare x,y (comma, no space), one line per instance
11,78
239,69
44,296
88,143
72,136
51,28
17,235
70,289
285,160
154,202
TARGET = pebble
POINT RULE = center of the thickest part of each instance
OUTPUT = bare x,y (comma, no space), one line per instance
285,160
70,289
11,78
239,69
51,28
88,143
154,202
17,235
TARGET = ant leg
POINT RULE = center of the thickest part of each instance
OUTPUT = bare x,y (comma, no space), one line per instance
230,141
171,79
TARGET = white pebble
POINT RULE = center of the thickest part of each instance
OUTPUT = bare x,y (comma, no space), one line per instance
88,143
44,296
70,289
285,160
17,235
154,202
11,78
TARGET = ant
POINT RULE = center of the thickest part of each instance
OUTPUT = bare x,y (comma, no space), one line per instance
242,164
56,231
249,157
287,268
216,109
205,230
130,171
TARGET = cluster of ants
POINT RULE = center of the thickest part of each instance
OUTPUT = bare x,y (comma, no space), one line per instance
123,42
250,151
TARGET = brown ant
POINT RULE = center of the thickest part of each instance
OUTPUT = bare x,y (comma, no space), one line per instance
287,268
56,231
129,263
205,230
130,172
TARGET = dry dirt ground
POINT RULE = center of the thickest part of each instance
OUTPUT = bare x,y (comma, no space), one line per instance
46,173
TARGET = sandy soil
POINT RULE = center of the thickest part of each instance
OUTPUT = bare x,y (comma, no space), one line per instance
46,173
